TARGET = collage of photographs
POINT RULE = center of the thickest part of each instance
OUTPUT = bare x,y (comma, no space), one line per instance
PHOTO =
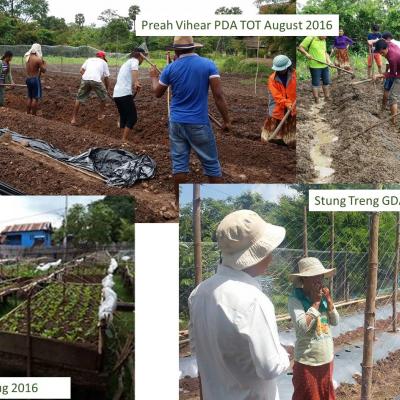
103,131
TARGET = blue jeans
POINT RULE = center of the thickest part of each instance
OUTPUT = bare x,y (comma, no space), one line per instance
185,137
388,83
318,74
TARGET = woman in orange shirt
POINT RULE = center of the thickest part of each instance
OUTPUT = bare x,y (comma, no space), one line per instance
282,96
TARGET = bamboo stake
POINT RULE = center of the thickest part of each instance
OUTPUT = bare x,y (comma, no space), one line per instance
305,233
370,308
158,70
334,66
283,120
10,84
382,121
332,250
396,275
197,233
28,337
360,82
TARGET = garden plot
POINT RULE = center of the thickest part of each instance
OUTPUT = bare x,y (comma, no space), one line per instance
243,157
332,145
64,330
348,353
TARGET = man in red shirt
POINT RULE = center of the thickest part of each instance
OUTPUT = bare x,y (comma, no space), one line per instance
392,53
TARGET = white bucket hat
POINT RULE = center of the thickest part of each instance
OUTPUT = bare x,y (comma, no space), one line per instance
311,266
245,239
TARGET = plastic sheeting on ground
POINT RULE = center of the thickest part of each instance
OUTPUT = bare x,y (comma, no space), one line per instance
113,266
47,266
117,167
108,281
108,305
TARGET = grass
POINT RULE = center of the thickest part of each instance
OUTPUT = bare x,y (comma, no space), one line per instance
357,60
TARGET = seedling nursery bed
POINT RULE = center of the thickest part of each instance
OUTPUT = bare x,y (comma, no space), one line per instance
65,333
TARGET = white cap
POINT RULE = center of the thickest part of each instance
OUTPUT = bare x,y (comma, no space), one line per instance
245,239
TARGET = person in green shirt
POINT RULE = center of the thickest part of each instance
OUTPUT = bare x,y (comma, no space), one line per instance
312,313
314,48
5,74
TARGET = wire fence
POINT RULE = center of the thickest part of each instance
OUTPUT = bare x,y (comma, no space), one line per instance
349,283
65,59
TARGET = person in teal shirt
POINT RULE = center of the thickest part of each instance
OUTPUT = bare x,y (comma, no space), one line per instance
312,313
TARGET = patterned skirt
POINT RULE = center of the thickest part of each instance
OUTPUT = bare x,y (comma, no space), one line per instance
342,59
313,383
287,133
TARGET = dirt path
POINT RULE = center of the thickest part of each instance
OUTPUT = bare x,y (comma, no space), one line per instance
243,157
368,157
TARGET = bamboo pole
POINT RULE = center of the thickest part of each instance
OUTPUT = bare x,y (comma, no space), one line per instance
334,66
382,121
396,275
28,337
360,82
305,233
197,233
346,292
332,250
370,307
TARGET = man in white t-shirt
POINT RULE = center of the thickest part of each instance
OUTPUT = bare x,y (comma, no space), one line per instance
94,72
125,89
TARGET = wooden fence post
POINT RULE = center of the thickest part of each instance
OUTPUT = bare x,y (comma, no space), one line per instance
28,336
369,318
396,275
197,233
305,233
332,251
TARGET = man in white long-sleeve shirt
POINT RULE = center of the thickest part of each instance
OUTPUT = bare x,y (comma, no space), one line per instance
233,330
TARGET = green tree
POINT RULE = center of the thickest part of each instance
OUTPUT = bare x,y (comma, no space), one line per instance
80,20
126,231
99,223
25,9
133,12
108,15
228,11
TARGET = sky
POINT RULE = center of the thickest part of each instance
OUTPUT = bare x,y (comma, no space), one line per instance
92,9
29,209
220,192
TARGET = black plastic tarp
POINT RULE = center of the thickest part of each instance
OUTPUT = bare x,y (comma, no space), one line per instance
117,167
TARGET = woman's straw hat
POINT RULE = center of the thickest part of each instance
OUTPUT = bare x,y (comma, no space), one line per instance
184,43
311,266
245,239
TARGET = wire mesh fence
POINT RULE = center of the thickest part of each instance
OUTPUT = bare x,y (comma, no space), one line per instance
349,282
65,59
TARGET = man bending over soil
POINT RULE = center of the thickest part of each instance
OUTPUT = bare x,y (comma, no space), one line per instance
392,54
190,76
35,66
93,72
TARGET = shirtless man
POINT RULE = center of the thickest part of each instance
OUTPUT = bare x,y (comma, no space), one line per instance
35,66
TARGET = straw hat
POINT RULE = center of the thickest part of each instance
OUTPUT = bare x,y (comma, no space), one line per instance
281,62
184,43
245,239
311,266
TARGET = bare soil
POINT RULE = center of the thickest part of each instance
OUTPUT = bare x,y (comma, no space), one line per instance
357,156
190,387
243,157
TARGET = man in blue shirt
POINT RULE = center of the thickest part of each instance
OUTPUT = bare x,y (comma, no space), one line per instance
190,77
